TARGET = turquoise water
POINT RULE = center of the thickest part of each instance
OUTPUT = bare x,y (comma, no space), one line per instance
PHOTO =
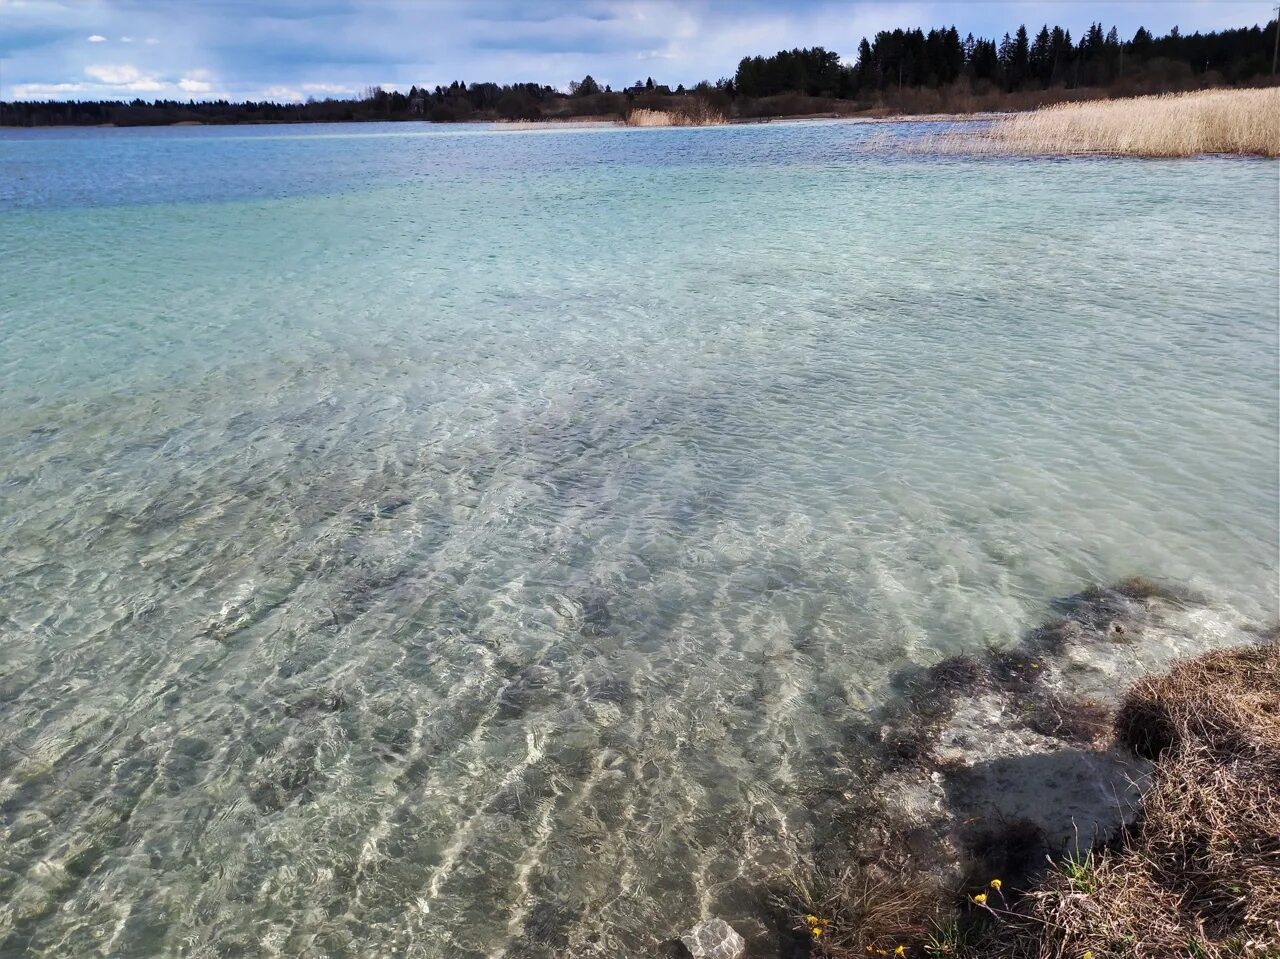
467,542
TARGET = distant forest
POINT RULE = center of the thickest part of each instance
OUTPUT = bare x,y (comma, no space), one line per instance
900,70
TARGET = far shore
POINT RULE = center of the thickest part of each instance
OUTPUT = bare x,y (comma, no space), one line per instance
1226,122
1237,122
871,116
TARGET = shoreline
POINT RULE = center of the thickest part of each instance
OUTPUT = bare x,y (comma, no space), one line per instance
1238,122
568,122
948,109
583,530
1013,792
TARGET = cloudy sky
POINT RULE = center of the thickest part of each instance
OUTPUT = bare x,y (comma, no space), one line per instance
292,49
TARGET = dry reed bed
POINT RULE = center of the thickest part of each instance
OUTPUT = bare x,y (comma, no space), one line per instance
695,115
1245,122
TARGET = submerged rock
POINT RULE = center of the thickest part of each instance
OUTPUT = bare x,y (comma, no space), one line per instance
674,949
713,939
389,507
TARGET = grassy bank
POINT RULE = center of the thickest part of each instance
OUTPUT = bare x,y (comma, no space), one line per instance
1195,872
1245,122
1198,872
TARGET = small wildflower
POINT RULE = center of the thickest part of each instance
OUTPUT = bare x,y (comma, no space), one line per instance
813,920
1088,954
996,884
900,951
980,899
816,932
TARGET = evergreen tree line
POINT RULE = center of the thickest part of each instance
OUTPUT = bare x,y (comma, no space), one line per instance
911,59
894,60
456,102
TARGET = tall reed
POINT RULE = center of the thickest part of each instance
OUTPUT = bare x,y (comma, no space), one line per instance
1174,125
696,114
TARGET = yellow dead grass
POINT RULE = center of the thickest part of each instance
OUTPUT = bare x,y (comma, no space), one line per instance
695,115
1175,125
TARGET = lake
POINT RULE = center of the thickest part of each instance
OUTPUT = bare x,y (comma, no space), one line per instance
465,542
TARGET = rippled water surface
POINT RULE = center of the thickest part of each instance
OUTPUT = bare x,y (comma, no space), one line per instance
460,543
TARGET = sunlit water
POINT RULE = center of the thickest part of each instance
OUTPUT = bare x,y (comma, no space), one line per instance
460,543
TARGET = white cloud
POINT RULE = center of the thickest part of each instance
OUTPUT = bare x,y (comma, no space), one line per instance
151,41
125,76
47,91
327,88
126,39
97,38
281,93
196,81
114,75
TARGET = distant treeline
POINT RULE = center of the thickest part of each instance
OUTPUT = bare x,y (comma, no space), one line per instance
908,70
910,59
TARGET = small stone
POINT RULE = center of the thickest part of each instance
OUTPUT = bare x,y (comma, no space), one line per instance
713,939
388,508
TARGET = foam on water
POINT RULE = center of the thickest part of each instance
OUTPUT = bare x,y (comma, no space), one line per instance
476,545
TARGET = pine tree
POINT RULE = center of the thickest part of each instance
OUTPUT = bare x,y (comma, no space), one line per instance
954,54
1042,57
1021,59
867,69
1059,54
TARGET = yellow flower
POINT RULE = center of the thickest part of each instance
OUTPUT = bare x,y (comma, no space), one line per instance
813,920
1088,954
816,931
900,951
980,899
996,884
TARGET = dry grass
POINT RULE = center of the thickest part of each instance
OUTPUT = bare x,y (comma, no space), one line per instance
1198,873
696,114
1241,122
861,910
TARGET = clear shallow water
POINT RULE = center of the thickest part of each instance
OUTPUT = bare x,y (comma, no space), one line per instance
469,543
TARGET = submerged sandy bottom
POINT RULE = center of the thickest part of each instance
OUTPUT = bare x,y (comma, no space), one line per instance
466,545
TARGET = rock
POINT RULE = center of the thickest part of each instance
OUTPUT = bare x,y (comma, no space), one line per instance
713,939
389,507
674,949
